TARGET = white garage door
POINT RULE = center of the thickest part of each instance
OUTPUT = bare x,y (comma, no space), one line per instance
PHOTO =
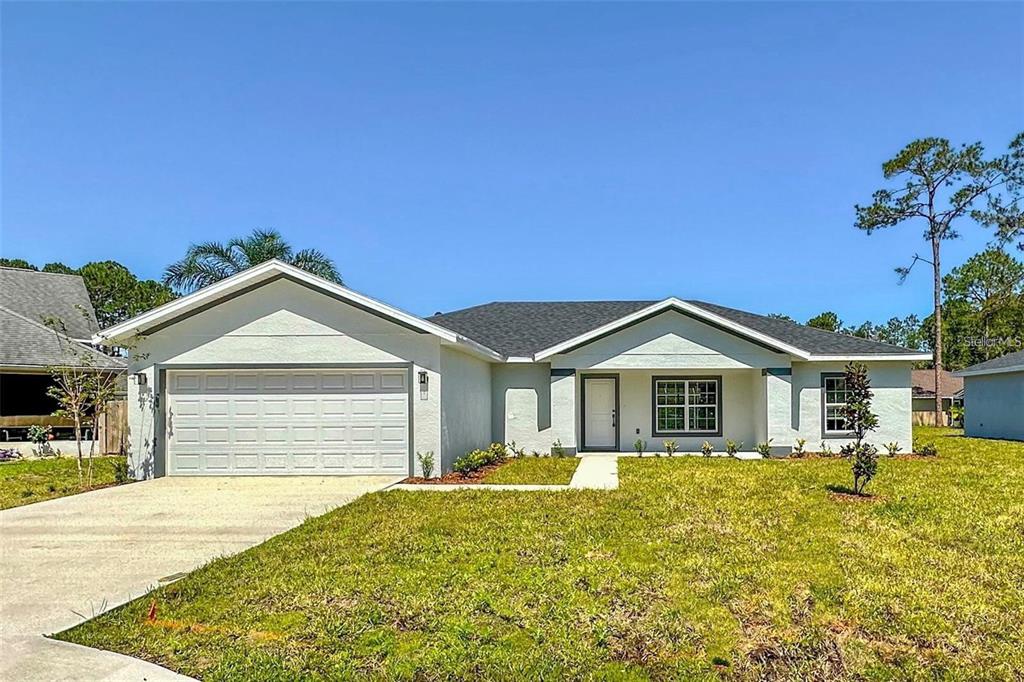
287,422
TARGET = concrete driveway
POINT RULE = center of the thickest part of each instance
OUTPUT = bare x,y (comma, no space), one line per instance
67,560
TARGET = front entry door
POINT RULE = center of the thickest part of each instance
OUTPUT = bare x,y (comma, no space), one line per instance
599,432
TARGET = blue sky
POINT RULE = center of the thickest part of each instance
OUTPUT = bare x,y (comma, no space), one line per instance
450,154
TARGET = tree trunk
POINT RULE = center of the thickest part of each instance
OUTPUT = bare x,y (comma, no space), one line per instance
937,363
78,444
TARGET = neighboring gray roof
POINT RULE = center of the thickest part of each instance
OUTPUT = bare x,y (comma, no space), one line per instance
26,343
523,329
1011,362
41,295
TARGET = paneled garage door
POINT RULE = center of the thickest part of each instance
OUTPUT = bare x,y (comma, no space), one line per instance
287,422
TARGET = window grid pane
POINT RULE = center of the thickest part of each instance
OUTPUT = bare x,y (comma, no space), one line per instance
687,406
835,402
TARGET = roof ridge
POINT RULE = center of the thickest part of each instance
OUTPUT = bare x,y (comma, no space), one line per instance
42,272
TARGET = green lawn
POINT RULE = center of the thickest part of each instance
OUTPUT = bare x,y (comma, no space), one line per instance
695,568
534,470
34,480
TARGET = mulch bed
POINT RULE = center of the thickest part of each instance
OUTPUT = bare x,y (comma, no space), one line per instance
474,478
881,456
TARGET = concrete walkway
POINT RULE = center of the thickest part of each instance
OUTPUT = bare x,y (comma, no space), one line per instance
67,560
594,472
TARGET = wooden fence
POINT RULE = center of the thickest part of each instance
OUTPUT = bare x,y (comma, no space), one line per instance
923,418
113,428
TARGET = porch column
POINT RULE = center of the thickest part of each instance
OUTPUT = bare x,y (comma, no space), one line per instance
563,408
778,384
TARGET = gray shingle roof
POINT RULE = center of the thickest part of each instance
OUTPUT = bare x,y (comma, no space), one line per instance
26,343
1008,361
522,329
40,295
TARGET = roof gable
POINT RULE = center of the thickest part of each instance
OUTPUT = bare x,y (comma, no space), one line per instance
270,271
38,296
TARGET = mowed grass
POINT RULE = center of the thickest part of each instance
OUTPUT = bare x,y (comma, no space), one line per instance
695,568
534,470
34,480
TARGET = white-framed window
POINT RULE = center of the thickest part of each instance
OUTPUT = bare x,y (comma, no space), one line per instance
833,387
687,405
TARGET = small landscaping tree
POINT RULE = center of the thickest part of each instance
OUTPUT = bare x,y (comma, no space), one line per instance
83,382
859,421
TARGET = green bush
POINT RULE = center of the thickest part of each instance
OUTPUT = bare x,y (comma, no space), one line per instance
121,470
477,459
732,447
764,448
893,448
706,448
426,463
639,445
557,449
670,447
798,448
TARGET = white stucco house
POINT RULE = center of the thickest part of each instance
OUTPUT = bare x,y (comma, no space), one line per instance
994,398
276,371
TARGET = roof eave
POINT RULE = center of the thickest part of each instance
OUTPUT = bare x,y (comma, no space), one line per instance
992,370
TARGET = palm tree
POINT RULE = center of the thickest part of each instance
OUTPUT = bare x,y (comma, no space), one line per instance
211,262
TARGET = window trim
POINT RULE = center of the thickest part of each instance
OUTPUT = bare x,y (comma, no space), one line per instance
700,377
825,433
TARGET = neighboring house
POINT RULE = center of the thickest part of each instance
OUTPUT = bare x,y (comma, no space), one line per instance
276,371
28,345
951,389
994,397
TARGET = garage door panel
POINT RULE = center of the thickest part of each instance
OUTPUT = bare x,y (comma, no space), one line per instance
288,422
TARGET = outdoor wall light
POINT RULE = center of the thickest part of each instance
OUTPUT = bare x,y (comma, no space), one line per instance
140,378
423,381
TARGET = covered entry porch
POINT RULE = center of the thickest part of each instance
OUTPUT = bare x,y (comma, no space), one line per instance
615,408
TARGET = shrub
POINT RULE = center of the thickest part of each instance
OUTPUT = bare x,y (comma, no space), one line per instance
706,448
956,415
928,450
121,470
516,451
39,434
826,449
893,448
426,463
732,447
639,445
497,452
9,454
798,449
477,459
764,448
556,449
670,447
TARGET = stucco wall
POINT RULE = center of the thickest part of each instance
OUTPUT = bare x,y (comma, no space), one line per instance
636,410
671,341
465,406
994,406
281,323
533,406
890,382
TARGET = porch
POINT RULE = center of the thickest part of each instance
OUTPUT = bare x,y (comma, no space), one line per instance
748,406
